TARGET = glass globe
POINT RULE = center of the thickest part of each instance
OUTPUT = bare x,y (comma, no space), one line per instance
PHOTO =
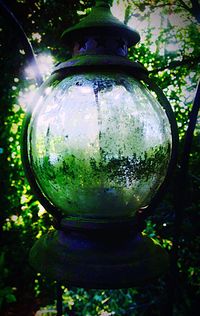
99,145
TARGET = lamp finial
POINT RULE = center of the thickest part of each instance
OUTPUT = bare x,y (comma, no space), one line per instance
104,3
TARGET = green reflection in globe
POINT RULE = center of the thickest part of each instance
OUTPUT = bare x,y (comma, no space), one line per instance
99,145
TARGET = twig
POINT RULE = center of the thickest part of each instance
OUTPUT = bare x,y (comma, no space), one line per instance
177,63
8,14
59,303
180,196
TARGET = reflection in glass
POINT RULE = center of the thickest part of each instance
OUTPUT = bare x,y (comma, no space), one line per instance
99,145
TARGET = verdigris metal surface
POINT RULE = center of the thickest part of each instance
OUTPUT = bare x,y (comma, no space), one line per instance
101,22
97,260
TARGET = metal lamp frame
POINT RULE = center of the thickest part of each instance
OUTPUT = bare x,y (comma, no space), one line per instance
128,253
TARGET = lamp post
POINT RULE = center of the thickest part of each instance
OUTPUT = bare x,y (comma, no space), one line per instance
98,148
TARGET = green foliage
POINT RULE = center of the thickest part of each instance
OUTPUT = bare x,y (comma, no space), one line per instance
6,292
172,55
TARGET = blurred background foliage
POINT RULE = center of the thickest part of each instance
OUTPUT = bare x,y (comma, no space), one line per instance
170,49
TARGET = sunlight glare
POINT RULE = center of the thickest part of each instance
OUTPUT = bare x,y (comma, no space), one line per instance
26,98
45,64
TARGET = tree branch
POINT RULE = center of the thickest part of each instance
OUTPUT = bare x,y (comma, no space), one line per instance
178,63
185,6
196,9
30,56
141,6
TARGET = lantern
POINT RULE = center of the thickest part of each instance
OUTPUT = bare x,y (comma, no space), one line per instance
97,147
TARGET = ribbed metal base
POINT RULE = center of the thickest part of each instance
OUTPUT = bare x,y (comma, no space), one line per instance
99,260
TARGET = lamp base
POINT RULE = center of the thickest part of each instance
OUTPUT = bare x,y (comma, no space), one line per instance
99,261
